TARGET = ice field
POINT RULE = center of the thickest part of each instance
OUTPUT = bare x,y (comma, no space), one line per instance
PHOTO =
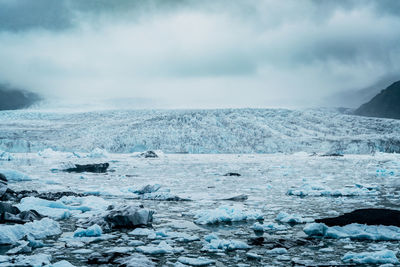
282,189
262,214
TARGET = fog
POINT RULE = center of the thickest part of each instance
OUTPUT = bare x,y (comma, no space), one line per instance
199,54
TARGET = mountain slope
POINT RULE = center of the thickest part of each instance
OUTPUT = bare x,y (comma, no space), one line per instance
384,105
11,99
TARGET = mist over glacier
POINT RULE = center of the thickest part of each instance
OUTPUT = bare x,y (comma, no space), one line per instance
208,54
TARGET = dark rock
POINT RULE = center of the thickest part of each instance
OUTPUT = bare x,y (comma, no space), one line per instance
238,198
148,154
256,241
122,217
148,189
57,195
11,214
11,98
105,258
7,207
232,174
3,185
95,168
384,105
16,196
332,155
365,216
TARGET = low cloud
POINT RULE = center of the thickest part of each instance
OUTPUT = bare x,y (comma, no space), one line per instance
195,54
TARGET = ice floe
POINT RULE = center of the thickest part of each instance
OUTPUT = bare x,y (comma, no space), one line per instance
200,261
215,244
375,257
353,231
136,260
268,226
64,207
162,248
292,218
15,176
91,231
98,153
10,234
318,190
226,214
6,156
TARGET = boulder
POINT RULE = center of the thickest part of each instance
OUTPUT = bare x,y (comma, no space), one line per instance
149,154
122,217
11,214
3,184
365,216
95,168
237,198
232,174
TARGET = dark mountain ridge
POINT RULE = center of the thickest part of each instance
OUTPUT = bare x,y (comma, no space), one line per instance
11,99
386,104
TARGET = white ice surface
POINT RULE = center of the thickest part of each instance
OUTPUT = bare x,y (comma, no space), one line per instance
374,257
226,214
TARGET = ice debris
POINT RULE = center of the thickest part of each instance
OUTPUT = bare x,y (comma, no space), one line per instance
378,257
353,231
214,244
11,234
93,230
6,156
292,218
162,248
200,261
317,190
98,153
15,176
64,207
226,214
258,227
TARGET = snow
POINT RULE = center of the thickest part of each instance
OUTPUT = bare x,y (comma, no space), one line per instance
10,234
15,176
200,261
354,231
292,218
225,214
378,257
162,248
93,230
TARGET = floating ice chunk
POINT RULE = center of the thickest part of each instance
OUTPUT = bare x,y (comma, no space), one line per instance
292,218
31,260
214,244
318,190
64,207
162,248
277,251
146,189
62,263
182,237
136,260
268,227
10,234
210,237
15,176
200,261
122,250
135,243
6,156
50,153
98,153
354,231
226,214
378,257
93,230
82,251
252,255
142,232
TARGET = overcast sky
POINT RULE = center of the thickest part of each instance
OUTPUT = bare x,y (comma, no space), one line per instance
194,54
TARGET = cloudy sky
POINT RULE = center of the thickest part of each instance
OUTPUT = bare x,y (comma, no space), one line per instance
195,54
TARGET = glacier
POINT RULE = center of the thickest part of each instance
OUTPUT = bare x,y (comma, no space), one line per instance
197,131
